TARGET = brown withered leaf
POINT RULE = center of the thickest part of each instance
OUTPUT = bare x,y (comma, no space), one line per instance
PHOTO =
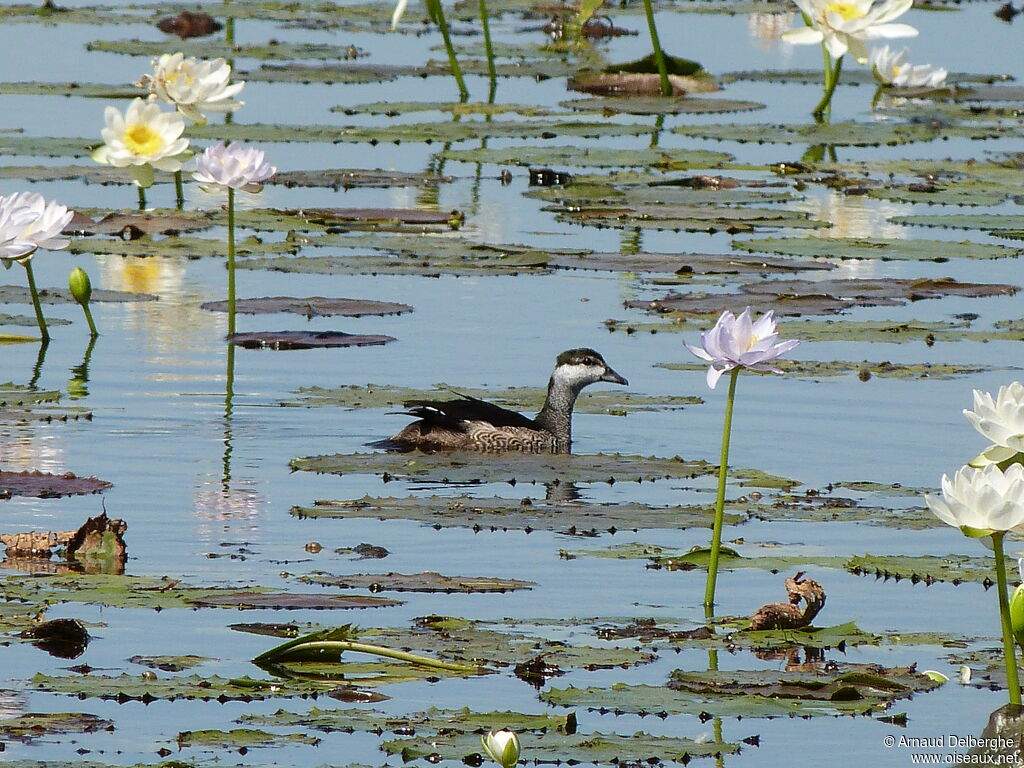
43,485
280,340
131,226
313,306
187,24
637,83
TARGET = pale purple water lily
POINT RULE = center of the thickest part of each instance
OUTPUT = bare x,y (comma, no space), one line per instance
741,342
28,222
235,165
1001,420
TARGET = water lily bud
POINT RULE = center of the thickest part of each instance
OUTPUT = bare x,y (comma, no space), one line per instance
965,674
1017,614
81,288
502,747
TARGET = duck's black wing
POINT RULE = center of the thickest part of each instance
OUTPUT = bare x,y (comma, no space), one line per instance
452,414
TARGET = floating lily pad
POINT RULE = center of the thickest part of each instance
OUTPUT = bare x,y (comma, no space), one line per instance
416,582
691,218
281,340
856,248
131,226
318,601
171,663
186,247
33,726
638,84
661,557
394,108
656,105
846,689
686,264
217,49
122,688
927,568
241,738
21,404
864,370
844,134
579,192
520,398
574,518
16,294
458,467
991,222
84,90
591,157
43,485
348,178
313,306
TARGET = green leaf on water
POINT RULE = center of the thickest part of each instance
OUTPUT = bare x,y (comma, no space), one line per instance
124,687
416,582
927,568
32,727
874,248
842,134
237,738
654,105
171,663
591,157
218,49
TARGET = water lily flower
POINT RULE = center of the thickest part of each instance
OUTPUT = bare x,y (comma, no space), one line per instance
28,222
235,165
889,68
193,86
982,501
844,25
502,747
1001,420
142,139
741,342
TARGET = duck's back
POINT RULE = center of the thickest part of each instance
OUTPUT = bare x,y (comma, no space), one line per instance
471,424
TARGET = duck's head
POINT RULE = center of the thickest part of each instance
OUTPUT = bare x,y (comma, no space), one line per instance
581,367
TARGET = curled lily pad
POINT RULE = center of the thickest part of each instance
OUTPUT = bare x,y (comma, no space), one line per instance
416,582
313,306
43,485
281,340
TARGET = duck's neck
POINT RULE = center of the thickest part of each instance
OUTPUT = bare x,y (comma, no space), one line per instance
556,414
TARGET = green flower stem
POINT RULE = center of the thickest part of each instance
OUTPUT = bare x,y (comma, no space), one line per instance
1009,651
377,650
453,62
142,198
44,332
231,261
88,318
486,24
723,468
824,107
179,191
659,55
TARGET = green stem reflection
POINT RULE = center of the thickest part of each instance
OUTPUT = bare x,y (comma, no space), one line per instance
659,55
229,408
44,332
723,469
1009,650
486,24
142,197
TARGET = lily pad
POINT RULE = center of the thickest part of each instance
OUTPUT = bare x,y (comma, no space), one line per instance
574,518
282,340
927,568
456,467
34,726
217,49
317,601
864,370
16,294
638,84
171,663
873,248
23,404
84,90
591,157
394,108
313,306
843,134
43,485
185,247
349,178
990,222
416,582
656,105
241,739
686,264
122,688
692,218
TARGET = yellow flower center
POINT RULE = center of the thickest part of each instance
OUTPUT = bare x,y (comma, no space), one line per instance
846,10
142,140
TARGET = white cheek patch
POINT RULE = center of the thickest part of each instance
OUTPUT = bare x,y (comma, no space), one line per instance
578,372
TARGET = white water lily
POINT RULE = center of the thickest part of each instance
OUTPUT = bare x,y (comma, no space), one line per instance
193,86
981,502
1001,420
235,165
845,25
142,139
502,747
740,342
28,222
889,68
396,16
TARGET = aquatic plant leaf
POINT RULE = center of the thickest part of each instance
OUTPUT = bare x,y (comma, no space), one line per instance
15,143
317,601
591,157
394,108
16,294
594,747
132,226
219,49
926,568
20,403
83,90
30,727
843,134
674,216
874,248
686,265
661,557
657,105
574,518
287,340
864,370
990,222
125,687
186,247
310,307
237,738
348,178
413,132
43,485
171,663
456,467
637,84
28,320
427,581
578,192
521,398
